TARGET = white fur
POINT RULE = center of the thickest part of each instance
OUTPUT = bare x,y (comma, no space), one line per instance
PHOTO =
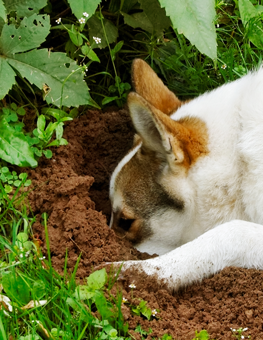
236,243
224,186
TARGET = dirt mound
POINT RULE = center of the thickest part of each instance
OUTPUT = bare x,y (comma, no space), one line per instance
72,188
62,189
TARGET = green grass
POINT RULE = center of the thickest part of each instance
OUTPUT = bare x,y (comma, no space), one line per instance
43,304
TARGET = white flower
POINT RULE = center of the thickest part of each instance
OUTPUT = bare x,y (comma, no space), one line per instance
154,312
82,20
124,300
242,337
21,255
97,40
42,258
27,253
245,329
58,21
132,285
217,25
224,66
85,14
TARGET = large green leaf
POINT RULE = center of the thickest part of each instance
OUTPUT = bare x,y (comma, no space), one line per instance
138,20
97,279
24,8
2,11
194,19
79,7
53,73
14,147
8,74
255,32
251,20
96,30
155,14
247,11
30,34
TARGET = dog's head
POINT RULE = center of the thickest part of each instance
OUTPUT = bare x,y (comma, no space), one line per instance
150,190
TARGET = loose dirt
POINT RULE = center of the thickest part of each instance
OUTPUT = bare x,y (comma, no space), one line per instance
72,188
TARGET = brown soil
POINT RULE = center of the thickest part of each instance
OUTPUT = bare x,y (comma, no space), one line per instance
72,188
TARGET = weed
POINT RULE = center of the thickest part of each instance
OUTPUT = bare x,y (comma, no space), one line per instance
202,335
238,333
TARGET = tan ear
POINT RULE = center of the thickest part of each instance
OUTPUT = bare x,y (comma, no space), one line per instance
158,131
148,85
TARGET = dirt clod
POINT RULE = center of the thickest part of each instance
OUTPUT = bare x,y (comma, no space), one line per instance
72,188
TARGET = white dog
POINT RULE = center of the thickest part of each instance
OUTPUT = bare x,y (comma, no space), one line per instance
191,188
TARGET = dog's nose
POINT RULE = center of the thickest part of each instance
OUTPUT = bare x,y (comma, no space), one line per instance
125,224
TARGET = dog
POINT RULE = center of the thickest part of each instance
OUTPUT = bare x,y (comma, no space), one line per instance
191,187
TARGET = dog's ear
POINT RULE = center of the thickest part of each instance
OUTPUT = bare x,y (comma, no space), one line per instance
158,131
148,85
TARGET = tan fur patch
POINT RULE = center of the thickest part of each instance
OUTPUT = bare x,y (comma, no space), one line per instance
188,136
192,135
148,85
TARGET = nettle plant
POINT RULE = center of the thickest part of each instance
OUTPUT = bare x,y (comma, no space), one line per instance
26,69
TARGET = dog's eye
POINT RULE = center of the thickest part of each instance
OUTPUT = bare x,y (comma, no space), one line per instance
125,224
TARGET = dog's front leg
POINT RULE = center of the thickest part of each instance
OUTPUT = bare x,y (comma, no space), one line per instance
236,243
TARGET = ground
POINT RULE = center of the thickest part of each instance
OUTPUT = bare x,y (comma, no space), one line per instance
72,188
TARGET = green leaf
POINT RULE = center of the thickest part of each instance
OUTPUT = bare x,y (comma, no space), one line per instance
36,151
27,183
4,170
17,183
8,74
13,106
96,30
39,290
57,71
22,237
107,100
41,123
16,288
202,335
138,20
247,11
79,7
30,34
12,117
83,293
116,49
8,188
59,130
24,8
48,153
194,19
88,52
2,11
255,32
156,15
104,307
14,147
75,36
21,111
97,279
23,176
147,313
28,245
